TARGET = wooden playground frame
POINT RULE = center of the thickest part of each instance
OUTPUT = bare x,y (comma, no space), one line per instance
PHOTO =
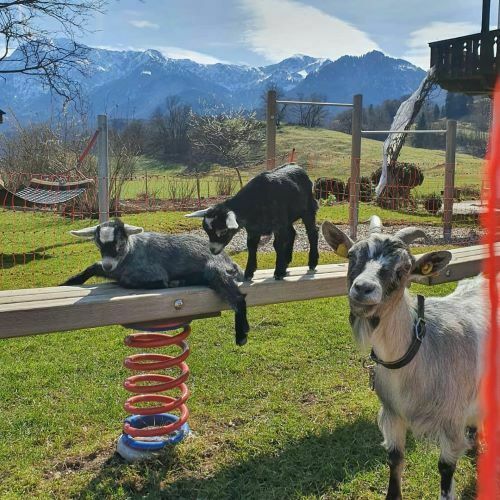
356,135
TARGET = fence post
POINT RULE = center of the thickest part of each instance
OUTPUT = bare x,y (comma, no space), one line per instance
103,168
357,111
271,130
449,177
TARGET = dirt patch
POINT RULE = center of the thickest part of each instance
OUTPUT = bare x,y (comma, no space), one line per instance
82,463
152,204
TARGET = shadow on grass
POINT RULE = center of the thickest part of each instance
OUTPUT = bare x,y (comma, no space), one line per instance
8,260
311,465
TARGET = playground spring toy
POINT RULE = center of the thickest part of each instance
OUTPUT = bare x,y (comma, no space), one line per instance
151,427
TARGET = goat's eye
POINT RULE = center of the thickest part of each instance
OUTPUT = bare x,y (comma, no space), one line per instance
221,232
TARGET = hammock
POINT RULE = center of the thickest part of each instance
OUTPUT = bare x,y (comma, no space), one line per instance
46,192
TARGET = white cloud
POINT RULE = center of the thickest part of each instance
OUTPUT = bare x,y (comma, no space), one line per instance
419,52
281,28
142,23
168,51
180,53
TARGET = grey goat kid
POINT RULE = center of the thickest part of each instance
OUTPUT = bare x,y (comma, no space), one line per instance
435,393
152,260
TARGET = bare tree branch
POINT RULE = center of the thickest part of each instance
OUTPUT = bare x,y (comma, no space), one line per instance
54,57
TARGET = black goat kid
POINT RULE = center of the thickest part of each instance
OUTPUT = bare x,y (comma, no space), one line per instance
269,204
135,259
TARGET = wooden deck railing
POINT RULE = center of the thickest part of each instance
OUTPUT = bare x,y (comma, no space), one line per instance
468,63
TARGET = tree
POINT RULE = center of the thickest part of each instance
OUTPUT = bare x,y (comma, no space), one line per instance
231,139
457,105
436,113
419,140
38,39
168,131
310,115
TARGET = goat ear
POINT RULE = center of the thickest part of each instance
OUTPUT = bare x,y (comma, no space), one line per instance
231,222
132,229
86,233
198,213
431,263
336,238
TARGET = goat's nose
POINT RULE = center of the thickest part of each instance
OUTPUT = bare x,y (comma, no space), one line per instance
363,288
107,267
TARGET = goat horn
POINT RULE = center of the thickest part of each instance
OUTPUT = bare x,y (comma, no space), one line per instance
198,213
375,225
409,234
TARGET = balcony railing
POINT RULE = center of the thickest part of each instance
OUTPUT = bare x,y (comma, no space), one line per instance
468,63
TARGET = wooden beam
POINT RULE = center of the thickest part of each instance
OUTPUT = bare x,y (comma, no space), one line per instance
44,310
485,18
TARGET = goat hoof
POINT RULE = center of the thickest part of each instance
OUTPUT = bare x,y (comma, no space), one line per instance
248,278
280,276
241,341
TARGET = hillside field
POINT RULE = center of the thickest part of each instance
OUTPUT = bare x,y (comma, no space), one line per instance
324,153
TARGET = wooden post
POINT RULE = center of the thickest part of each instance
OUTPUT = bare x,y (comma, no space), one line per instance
103,168
449,177
271,130
485,19
357,111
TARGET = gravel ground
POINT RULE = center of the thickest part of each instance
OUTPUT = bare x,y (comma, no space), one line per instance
461,236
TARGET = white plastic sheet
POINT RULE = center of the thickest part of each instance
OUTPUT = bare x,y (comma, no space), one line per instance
403,120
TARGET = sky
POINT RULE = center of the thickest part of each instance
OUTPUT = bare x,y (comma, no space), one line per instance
260,32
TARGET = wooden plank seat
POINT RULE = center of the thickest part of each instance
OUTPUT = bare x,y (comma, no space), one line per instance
43,310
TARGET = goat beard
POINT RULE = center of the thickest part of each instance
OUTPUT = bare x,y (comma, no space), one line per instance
362,311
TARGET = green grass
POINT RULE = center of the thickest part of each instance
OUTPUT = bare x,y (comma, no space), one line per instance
289,415
324,153
328,153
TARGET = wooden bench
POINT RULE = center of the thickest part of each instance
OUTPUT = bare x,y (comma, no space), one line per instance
44,310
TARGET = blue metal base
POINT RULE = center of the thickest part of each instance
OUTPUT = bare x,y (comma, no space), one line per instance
132,449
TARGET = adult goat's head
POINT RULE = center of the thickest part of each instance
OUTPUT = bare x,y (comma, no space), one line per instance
220,224
111,238
380,265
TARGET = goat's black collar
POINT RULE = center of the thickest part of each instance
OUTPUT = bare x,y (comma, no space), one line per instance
419,331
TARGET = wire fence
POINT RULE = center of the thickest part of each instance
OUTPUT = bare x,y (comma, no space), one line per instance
36,248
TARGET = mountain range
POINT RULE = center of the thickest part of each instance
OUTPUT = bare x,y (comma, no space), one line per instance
133,84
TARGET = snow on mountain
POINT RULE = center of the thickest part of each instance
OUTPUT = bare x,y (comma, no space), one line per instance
134,83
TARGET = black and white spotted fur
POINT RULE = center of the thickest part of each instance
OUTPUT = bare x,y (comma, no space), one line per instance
435,395
269,204
135,259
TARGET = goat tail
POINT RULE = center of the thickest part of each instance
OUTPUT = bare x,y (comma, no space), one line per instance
224,284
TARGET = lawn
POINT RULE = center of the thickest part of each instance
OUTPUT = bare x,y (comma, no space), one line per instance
328,153
323,152
290,415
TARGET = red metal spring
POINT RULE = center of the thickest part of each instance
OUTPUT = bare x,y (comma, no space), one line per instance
147,386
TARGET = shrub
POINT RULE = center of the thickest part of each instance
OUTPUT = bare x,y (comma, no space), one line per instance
433,203
225,185
403,177
324,187
470,192
366,190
